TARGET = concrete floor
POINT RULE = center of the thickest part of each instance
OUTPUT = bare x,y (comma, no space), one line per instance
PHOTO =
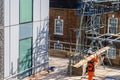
61,71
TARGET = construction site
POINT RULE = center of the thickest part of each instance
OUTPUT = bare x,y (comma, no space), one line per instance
60,40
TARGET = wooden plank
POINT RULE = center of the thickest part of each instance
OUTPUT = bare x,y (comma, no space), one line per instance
118,35
82,62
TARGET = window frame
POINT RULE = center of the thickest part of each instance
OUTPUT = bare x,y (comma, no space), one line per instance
61,27
61,48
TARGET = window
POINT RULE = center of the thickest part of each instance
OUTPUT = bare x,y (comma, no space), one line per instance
25,57
59,26
25,11
112,25
25,31
112,52
25,48
58,46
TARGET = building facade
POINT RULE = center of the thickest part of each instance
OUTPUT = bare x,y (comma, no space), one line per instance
114,28
63,24
65,21
24,28
62,30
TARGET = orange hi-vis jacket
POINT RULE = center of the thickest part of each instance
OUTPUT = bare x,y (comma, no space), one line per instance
91,68
91,64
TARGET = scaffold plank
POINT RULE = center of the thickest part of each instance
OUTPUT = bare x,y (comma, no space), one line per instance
82,62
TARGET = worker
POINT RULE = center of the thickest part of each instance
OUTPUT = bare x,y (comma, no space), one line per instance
91,66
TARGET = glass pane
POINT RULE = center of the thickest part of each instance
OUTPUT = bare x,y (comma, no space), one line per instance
112,52
25,57
59,23
25,11
112,30
58,29
25,30
58,46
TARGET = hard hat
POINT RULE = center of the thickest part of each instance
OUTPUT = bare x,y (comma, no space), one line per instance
89,51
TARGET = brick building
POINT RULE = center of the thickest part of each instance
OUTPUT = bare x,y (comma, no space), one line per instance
63,24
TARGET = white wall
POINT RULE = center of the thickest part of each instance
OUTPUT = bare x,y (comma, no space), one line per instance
36,10
11,36
40,32
14,12
6,52
36,27
11,32
14,46
44,9
6,12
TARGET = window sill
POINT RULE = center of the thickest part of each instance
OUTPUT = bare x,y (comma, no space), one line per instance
58,34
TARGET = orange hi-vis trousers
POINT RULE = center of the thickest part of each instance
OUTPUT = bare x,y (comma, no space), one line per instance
90,75
91,68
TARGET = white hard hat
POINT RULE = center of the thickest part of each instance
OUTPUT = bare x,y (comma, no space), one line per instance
89,51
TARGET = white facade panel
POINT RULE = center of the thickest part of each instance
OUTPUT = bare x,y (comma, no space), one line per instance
6,52
40,47
44,9
6,12
36,10
14,44
36,27
11,35
14,12
44,25
44,35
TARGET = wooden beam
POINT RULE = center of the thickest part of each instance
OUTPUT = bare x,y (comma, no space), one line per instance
82,62
117,35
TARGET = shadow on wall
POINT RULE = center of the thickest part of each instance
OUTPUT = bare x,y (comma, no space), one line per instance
40,50
38,55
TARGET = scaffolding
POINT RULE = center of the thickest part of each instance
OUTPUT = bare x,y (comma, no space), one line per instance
93,12
94,31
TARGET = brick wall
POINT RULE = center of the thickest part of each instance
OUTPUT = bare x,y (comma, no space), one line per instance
71,20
